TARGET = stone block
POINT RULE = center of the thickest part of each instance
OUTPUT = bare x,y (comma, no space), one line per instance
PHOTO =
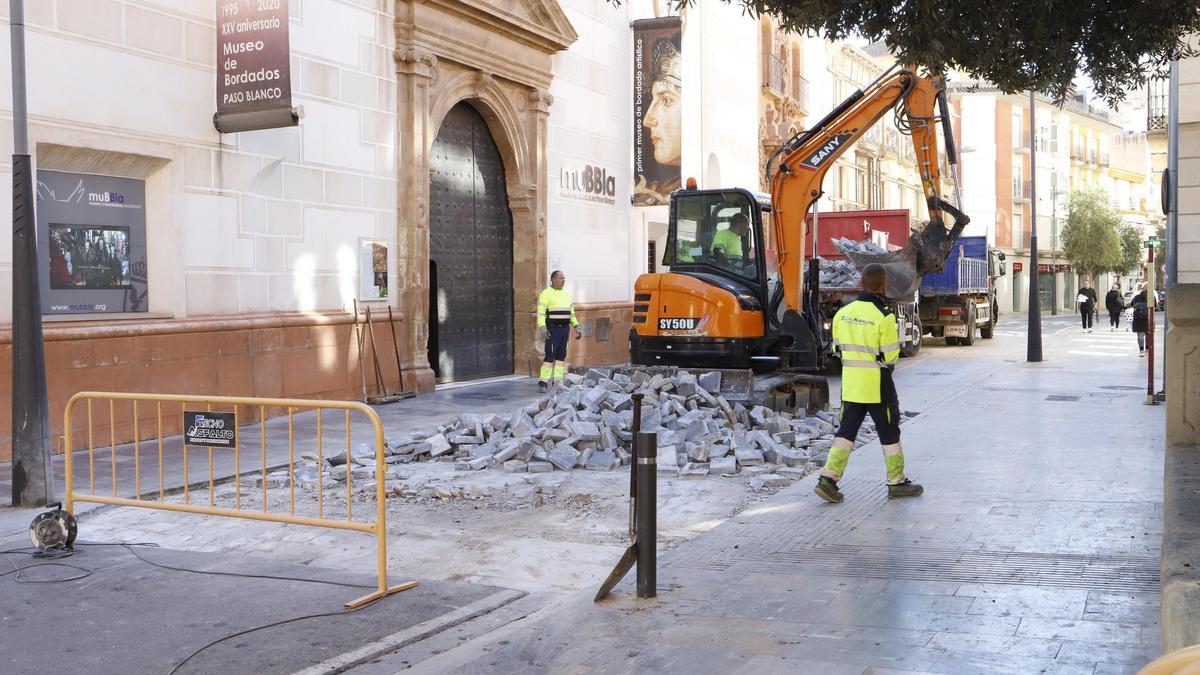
667,459
438,445
586,431
508,450
602,461
563,456
473,464
774,480
515,466
698,452
748,456
538,466
711,382
717,450
465,440
755,471
694,470
722,466
793,473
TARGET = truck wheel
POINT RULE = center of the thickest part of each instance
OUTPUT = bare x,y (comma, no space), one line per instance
987,329
970,339
914,347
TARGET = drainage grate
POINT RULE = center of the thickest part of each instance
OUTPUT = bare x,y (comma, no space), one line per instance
481,396
1121,387
1061,397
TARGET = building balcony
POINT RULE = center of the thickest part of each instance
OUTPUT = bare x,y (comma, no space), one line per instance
1156,104
1078,156
1021,143
1105,159
799,92
1021,190
773,79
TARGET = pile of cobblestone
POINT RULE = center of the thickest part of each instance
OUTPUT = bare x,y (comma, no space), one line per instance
587,423
839,274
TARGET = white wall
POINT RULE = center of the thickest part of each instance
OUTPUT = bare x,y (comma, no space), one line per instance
591,124
978,167
256,221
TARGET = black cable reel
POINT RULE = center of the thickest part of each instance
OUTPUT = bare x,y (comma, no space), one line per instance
53,533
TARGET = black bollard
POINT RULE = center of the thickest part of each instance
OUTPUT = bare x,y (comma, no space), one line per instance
647,516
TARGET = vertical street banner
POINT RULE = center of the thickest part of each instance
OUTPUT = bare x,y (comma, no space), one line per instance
254,78
657,109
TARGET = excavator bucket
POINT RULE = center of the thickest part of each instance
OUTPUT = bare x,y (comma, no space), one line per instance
925,253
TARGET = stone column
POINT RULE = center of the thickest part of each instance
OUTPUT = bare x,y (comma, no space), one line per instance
416,73
528,204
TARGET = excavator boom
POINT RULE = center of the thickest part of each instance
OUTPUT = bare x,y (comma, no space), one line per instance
803,162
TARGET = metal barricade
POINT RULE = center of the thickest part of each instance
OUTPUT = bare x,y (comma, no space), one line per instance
216,436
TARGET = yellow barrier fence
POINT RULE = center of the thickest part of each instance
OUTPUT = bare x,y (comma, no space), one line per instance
214,426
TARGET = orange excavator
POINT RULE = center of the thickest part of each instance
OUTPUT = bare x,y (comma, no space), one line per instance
719,307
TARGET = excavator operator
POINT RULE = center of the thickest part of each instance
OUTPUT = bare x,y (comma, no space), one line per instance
727,249
866,338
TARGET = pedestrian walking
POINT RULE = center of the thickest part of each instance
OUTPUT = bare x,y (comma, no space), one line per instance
555,320
1087,304
866,337
1141,318
1115,304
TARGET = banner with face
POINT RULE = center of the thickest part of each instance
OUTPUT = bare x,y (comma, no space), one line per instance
657,109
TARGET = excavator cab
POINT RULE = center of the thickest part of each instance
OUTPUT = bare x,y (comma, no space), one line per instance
709,310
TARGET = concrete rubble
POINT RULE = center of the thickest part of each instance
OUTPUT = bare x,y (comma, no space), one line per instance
586,424
843,273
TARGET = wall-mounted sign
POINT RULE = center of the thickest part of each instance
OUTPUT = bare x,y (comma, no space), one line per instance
213,429
91,243
1044,267
373,269
1017,267
254,80
587,183
657,109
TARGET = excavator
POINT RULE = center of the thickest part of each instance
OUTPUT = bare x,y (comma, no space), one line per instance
720,308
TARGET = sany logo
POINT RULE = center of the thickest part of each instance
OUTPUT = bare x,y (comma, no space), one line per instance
825,151
106,198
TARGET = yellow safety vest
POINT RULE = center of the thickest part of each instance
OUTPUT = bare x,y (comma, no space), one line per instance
555,305
729,241
866,337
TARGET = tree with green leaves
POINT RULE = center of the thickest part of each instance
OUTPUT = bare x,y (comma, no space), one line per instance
1090,238
1016,44
1131,249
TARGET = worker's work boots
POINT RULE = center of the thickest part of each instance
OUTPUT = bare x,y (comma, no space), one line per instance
905,489
827,489
542,387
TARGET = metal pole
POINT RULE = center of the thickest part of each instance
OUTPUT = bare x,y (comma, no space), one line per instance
31,483
647,517
1034,346
1172,202
1150,303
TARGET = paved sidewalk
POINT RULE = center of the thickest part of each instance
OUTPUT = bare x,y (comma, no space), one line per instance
416,414
111,612
1034,550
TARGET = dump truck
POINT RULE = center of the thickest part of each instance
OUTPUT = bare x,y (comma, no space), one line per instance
960,301
888,229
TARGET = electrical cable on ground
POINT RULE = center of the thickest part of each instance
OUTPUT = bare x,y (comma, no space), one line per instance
129,546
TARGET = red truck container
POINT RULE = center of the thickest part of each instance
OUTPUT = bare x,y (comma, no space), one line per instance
857,226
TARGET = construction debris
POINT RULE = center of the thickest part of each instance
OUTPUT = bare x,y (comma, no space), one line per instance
843,273
586,423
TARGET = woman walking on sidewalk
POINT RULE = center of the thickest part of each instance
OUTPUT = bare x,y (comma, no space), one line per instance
1087,304
1141,318
1115,304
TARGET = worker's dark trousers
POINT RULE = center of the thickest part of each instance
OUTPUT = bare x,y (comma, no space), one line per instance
1086,312
1114,318
887,424
554,362
886,416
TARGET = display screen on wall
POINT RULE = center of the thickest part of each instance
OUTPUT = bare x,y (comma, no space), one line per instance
91,243
657,109
89,256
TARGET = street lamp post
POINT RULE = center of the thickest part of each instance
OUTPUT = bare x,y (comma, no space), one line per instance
31,485
1034,346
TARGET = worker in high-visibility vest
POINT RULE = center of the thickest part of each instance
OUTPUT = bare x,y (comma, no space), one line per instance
555,320
866,338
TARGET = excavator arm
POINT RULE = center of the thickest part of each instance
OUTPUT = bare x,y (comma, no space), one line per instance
919,103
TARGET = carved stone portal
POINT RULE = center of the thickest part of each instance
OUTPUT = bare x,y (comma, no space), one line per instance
497,56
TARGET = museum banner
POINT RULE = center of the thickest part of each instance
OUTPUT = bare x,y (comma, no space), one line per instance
254,75
657,109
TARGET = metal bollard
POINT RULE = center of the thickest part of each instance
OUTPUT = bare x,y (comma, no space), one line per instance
647,515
